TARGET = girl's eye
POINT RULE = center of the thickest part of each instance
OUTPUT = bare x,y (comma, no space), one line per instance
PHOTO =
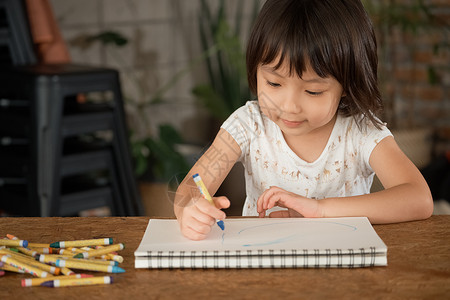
273,84
314,93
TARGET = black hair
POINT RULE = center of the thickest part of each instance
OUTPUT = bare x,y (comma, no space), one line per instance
334,37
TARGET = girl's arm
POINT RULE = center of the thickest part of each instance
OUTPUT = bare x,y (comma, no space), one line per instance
194,213
406,196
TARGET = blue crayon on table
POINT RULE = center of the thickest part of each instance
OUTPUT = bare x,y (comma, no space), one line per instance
86,265
204,191
14,243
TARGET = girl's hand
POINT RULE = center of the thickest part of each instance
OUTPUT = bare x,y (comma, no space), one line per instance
199,216
297,206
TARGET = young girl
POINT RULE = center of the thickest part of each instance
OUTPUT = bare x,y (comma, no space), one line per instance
311,143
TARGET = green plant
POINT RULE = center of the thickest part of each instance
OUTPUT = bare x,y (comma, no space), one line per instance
159,152
227,87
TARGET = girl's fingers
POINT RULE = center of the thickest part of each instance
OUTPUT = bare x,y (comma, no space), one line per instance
209,210
192,234
221,202
261,204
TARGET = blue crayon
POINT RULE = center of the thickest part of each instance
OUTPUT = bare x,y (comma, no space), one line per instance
86,265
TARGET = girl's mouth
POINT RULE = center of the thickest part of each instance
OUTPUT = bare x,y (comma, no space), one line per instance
291,124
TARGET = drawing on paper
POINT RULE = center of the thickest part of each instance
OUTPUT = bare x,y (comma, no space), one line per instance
271,234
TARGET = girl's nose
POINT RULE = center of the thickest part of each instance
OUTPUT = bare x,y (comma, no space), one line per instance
291,103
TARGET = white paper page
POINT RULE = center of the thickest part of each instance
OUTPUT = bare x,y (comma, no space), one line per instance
266,234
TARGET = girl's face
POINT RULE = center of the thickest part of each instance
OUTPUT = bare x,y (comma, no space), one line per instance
299,106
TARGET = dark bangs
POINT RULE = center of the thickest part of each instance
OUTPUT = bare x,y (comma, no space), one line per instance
334,37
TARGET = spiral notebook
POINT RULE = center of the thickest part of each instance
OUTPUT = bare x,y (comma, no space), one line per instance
264,243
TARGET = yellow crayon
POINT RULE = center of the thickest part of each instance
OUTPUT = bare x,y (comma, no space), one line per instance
31,261
28,252
115,257
204,191
42,250
67,271
48,259
90,261
77,282
38,245
38,281
24,266
112,256
51,259
14,243
88,266
70,251
101,251
82,243
9,268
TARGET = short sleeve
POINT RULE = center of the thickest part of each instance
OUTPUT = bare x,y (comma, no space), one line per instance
369,139
243,124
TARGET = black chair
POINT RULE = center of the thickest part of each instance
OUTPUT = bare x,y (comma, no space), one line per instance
16,47
63,156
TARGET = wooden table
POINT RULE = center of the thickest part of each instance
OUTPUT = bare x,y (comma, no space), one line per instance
418,267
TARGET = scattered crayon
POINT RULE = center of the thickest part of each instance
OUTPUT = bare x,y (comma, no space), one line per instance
31,261
101,251
38,245
38,281
91,261
48,261
115,257
14,243
82,243
24,266
89,266
9,268
78,282
67,271
28,252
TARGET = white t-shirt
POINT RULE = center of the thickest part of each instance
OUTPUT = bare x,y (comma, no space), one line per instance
341,170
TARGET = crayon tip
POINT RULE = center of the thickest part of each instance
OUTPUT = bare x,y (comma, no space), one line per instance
48,283
116,269
79,255
221,225
54,245
25,244
110,241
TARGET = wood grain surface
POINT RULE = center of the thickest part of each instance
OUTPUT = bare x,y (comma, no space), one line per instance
418,267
